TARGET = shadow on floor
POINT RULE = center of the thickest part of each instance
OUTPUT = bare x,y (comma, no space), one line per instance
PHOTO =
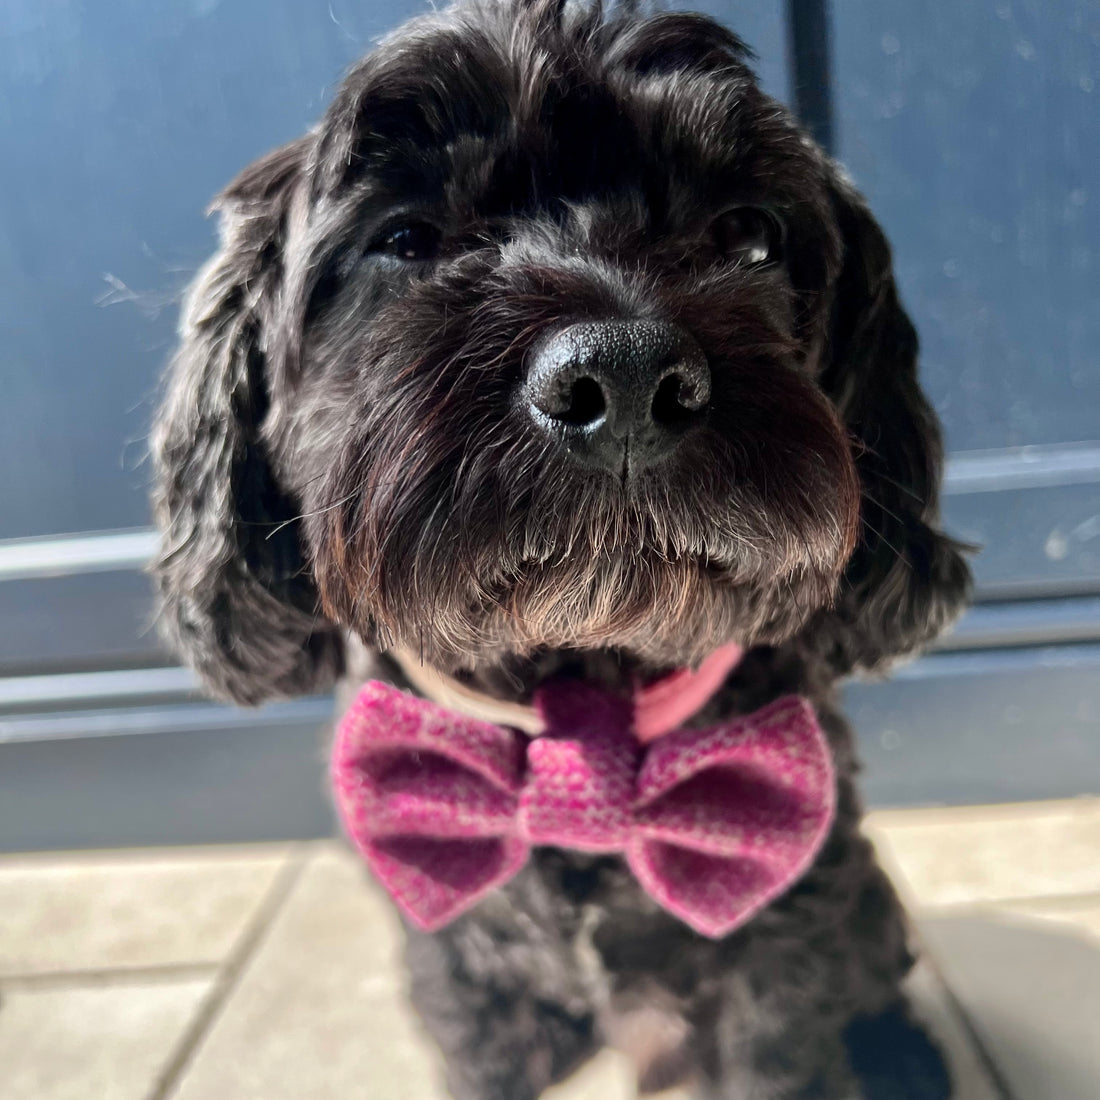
1031,990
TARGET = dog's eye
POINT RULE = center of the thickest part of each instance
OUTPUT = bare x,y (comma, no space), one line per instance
748,236
414,241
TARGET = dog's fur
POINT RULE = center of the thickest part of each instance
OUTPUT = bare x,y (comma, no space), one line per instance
344,468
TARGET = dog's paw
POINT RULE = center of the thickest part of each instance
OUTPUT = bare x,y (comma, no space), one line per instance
895,1059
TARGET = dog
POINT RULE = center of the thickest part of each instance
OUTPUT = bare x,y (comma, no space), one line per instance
558,350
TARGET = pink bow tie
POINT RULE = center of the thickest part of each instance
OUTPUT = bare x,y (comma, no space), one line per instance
713,823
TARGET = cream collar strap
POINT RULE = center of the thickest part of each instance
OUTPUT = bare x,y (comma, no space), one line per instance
658,707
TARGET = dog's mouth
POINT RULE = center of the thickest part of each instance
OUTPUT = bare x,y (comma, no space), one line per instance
516,677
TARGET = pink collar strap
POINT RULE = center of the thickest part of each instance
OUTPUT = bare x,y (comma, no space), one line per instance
672,700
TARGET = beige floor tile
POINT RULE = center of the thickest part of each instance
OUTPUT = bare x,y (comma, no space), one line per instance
104,911
92,1043
1032,992
321,1010
983,853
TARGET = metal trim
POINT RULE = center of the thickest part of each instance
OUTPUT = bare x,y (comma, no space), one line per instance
985,662
125,720
1040,467
88,687
63,555
1025,623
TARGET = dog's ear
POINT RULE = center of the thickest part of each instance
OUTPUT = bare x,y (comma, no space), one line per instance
237,599
906,580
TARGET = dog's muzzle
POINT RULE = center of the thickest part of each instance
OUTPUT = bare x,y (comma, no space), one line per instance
618,395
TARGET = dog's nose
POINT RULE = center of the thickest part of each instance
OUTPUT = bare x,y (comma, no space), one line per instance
619,395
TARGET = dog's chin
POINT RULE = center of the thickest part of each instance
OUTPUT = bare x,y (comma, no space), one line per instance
616,617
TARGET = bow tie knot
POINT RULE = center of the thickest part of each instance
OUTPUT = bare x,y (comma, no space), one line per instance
713,823
579,788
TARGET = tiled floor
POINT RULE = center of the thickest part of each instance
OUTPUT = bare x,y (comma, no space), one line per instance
267,973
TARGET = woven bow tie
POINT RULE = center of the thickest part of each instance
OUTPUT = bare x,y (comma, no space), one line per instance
713,823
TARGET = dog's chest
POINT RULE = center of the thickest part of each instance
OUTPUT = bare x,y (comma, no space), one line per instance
612,951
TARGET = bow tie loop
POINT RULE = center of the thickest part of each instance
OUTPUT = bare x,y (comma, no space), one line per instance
751,784
728,818
404,768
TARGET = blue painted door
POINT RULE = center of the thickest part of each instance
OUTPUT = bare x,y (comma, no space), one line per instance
974,130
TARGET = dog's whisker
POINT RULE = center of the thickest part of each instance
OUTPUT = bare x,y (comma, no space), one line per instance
283,524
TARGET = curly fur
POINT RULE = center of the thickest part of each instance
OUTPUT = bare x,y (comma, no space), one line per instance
343,467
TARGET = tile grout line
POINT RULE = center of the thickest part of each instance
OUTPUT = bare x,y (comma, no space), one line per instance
1069,900
228,976
993,1071
121,975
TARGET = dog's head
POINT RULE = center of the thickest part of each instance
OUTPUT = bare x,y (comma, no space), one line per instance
556,334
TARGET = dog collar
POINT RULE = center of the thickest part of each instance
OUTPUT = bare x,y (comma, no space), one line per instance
659,707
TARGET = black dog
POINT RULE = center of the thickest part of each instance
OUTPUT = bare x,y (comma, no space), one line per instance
559,349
